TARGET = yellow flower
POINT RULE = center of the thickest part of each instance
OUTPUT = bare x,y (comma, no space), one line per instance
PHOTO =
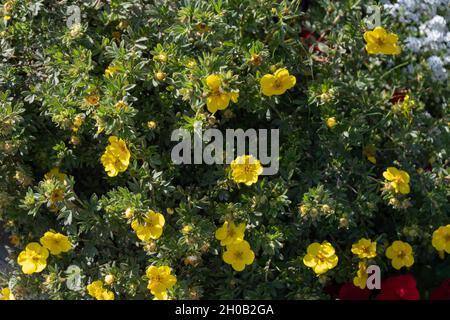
229,233
320,257
239,255
379,41
246,169
55,173
116,157
97,291
441,239
6,18
161,295
370,153
6,294
218,99
331,122
56,242
361,275
92,99
94,288
118,147
365,248
401,254
105,295
33,258
110,71
112,164
276,84
399,179
152,227
160,279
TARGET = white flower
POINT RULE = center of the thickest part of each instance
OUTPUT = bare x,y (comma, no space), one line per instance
413,44
437,68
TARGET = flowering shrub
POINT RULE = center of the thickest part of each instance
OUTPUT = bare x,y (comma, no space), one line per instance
95,208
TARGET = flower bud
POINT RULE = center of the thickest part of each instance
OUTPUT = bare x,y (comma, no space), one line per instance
192,260
331,122
14,240
74,140
343,222
151,247
303,210
129,213
162,57
255,60
109,279
160,76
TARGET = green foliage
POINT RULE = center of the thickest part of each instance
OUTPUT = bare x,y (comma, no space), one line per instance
48,72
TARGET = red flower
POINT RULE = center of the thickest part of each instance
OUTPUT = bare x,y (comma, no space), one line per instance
399,288
332,289
310,38
442,292
306,34
398,96
351,292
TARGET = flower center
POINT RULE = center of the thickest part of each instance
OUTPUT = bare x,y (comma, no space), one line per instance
380,41
277,84
216,92
238,255
399,180
157,279
401,255
320,257
247,168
